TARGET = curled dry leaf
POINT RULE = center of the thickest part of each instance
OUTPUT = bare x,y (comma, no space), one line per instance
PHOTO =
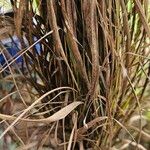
61,114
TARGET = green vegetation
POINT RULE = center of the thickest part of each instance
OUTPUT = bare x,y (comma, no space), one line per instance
89,85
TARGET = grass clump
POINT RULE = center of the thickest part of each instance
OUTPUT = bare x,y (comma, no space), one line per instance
94,56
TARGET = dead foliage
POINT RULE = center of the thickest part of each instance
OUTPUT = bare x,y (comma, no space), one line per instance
88,79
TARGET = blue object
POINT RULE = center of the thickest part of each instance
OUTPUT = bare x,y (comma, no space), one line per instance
13,47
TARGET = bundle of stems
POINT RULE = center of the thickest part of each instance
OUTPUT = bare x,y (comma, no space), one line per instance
100,49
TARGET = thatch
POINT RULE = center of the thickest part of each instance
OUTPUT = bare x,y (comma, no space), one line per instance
99,49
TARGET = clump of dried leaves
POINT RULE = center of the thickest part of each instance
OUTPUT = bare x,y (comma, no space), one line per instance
89,77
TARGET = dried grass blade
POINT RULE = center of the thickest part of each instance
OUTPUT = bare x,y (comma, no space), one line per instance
142,17
91,23
72,135
94,49
56,37
61,114
19,16
27,109
71,35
